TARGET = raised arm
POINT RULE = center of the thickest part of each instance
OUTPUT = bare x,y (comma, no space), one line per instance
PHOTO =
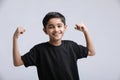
82,27
16,55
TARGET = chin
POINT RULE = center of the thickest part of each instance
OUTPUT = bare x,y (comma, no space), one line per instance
57,39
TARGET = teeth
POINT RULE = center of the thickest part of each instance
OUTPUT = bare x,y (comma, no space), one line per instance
56,34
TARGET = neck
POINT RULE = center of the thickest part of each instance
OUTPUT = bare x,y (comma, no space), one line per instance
55,43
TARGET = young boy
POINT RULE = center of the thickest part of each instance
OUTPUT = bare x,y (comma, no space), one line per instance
55,59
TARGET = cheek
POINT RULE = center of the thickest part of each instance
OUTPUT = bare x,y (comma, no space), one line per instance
63,29
49,31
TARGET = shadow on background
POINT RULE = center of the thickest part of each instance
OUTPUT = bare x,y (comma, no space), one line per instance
1,1
1,78
118,1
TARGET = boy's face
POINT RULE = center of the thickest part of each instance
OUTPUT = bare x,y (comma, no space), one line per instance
55,29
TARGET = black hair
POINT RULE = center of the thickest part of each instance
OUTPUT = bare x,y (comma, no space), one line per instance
50,15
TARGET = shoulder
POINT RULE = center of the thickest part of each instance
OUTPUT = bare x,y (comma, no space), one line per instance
72,44
40,45
69,42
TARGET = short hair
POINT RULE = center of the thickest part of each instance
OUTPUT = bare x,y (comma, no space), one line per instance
51,15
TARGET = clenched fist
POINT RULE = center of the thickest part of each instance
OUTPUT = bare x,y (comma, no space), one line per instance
19,30
81,27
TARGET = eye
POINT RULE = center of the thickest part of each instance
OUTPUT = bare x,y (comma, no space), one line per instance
59,26
50,26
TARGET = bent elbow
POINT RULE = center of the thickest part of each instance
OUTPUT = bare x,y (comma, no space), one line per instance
17,62
91,53
16,65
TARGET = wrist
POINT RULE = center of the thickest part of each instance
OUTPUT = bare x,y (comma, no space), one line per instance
15,38
85,31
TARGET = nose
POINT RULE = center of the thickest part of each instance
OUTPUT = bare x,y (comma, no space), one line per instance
56,29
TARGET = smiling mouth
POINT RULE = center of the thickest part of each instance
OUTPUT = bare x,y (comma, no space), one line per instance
57,34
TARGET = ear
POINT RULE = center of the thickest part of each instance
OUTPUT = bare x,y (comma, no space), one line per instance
65,27
45,30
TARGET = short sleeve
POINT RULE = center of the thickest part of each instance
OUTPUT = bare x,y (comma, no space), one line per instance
30,58
83,52
80,51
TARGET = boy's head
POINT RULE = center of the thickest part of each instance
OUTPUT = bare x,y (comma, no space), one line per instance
51,15
54,26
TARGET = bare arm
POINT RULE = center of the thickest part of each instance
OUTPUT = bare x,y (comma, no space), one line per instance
82,27
16,55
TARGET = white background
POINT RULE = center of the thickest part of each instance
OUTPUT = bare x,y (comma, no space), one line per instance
102,17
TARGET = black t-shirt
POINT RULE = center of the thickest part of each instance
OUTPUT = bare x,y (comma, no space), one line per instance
56,62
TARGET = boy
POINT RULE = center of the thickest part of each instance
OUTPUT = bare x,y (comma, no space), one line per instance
55,59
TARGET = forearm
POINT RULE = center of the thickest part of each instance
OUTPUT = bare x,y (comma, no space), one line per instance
16,55
89,43
82,27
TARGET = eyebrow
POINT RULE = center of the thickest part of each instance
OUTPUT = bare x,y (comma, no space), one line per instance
60,24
